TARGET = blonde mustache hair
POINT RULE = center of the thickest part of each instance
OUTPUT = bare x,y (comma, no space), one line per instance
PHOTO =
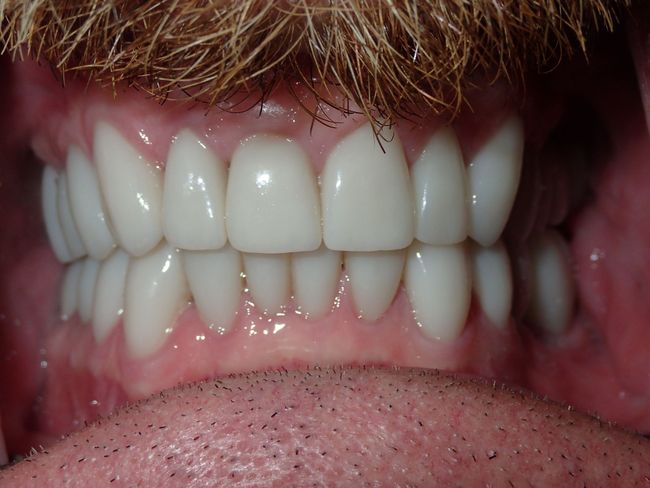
390,58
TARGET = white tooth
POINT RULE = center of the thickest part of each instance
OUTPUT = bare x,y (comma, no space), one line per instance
315,277
109,294
87,205
438,178
374,278
272,199
70,232
132,188
438,284
552,292
215,279
366,194
194,195
70,290
156,293
49,203
493,282
268,277
87,283
493,179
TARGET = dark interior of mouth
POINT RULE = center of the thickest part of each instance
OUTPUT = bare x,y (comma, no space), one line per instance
587,145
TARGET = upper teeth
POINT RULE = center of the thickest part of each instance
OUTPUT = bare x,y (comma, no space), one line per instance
268,205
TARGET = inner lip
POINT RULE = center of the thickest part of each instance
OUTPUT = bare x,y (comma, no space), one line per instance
119,395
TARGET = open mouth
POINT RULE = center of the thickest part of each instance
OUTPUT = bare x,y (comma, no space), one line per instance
270,262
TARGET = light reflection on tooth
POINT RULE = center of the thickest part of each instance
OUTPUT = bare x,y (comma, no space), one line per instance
132,187
215,280
109,294
374,278
87,282
492,281
87,205
49,191
70,232
493,179
438,178
438,284
315,277
156,293
268,277
194,195
70,290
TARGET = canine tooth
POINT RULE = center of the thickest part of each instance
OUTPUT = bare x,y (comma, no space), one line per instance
268,277
109,294
70,290
133,191
366,194
215,280
194,195
156,293
70,231
374,278
438,284
315,277
552,291
438,178
493,178
87,283
49,203
87,205
272,198
493,282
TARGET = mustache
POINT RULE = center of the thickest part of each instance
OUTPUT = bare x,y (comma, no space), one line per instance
389,58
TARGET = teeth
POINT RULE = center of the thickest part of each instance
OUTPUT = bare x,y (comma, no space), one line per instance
438,178
88,206
552,293
315,277
438,284
70,232
493,178
493,282
87,281
366,194
133,191
51,215
215,279
268,276
70,290
272,200
194,195
156,293
109,294
374,278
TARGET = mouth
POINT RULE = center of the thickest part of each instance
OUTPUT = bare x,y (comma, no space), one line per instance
308,294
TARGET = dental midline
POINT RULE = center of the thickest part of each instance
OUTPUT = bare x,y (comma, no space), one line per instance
156,240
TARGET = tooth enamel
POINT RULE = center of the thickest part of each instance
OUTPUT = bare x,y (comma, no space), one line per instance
272,199
366,194
315,276
374,278
493,282
49,203
268,277
133,191
87,282
70,290
438,284
438,178
215,280
156,293
493,179
70,232
109,294
194,195
87,205
552,292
